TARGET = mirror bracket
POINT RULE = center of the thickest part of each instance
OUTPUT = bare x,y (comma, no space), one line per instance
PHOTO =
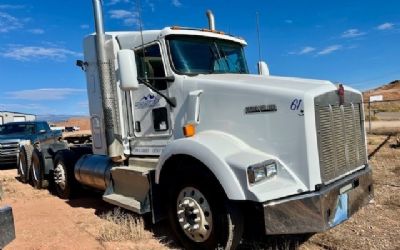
263,68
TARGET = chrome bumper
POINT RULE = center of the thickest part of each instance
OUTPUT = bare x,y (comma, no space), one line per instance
320,210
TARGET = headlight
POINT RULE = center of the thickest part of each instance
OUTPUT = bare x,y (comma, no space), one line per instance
261,171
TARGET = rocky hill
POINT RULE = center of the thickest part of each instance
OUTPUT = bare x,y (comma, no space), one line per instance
82,122
390,91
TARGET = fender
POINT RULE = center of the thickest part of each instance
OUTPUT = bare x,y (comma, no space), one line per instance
210,148
227,158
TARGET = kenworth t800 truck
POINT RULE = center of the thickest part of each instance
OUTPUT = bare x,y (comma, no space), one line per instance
181,130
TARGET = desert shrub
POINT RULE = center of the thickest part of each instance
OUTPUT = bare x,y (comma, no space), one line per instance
120,225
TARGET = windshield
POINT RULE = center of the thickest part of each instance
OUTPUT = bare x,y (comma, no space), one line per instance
206,55
17,129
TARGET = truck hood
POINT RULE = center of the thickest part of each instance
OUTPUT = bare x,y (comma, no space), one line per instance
275,83
285,128
14,137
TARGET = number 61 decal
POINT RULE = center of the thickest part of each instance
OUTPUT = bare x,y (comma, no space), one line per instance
295,105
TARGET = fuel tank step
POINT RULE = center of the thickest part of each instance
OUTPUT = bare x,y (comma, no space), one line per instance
130,188
128,203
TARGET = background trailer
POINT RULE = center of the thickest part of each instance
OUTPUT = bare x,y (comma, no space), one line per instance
8,116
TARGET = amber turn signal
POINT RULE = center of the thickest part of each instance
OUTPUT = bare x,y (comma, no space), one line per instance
189,130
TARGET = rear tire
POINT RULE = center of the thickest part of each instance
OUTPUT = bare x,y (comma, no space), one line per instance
64,180
24,162
37,170
207,220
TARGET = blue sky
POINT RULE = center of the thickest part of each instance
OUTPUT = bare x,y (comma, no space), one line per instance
355,42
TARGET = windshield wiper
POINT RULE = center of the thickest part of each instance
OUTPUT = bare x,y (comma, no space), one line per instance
221,55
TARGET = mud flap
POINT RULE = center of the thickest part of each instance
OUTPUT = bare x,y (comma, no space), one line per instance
7,229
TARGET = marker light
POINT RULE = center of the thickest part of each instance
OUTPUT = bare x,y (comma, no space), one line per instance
189,130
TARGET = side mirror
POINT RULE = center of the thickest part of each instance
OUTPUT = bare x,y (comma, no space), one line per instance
127,70
42,131
263,68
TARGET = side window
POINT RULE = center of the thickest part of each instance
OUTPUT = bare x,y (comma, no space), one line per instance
39,127
46,126
150,65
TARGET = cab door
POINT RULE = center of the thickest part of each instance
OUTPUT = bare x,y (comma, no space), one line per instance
151,113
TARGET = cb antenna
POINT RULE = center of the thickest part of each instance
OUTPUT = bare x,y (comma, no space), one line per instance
258,36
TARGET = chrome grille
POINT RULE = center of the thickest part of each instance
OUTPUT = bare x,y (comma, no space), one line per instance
9,149
340,138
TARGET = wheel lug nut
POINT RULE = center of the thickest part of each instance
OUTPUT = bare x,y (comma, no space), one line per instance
197,219
181,220
195,227
191,204
196,211
180,212
185,202
186,226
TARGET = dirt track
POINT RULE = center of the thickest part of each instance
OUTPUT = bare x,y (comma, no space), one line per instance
44,221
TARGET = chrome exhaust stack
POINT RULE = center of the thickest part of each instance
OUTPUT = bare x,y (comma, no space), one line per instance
211,20
108,85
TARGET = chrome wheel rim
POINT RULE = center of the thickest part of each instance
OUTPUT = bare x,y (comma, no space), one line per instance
21,168
194,214
35,171
59,176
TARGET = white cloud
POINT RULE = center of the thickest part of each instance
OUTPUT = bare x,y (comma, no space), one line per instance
28,53
288,21
83,104
330,49
119,14
303,51
36,31
17,106
350,33
176,3
385,26
84,26
44,94
8,23
113,2
306,50
9,6
151,5
128,18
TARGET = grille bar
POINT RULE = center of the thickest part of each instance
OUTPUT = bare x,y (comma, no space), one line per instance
340,139
7,149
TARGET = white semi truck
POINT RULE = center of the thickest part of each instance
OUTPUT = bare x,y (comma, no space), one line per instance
183,131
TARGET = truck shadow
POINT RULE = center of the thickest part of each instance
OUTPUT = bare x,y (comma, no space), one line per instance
93,200
162,231
276,242
8,166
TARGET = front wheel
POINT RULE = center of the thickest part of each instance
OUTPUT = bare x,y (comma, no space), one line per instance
203,218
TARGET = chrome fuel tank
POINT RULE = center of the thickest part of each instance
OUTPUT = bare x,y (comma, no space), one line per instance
94,171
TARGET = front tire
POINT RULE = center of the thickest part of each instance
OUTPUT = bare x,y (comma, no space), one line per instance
200,214
24,162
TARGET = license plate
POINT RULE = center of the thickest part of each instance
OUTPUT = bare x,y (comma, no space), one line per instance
341,210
